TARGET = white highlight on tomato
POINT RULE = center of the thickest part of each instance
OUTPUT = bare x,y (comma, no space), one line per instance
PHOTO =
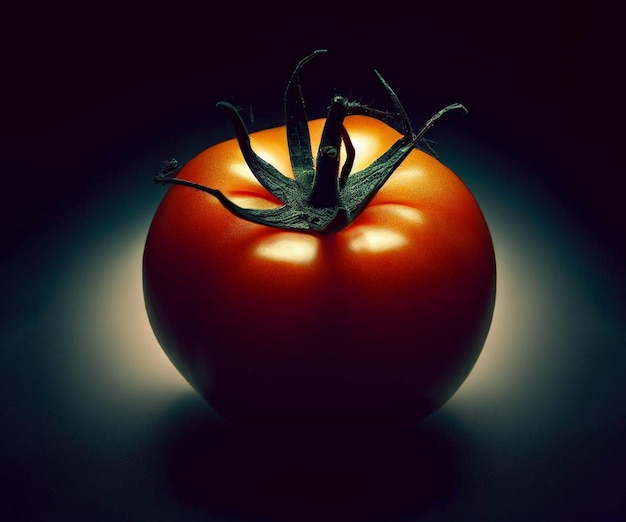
406,213
375,239
289,247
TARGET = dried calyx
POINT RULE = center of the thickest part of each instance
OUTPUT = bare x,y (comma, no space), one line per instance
323,196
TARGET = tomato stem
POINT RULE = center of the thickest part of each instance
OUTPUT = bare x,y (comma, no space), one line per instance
325,189
323,196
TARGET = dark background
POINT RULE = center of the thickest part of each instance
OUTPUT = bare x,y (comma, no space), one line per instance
95,423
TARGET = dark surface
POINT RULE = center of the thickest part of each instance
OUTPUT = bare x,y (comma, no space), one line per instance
96,424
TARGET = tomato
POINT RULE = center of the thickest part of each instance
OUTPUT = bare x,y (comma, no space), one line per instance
366,326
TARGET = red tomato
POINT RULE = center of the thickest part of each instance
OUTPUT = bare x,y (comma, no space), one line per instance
368,327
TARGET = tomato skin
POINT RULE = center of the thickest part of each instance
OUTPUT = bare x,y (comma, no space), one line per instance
367,329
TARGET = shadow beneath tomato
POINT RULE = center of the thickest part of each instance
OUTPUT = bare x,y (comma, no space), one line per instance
211,466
